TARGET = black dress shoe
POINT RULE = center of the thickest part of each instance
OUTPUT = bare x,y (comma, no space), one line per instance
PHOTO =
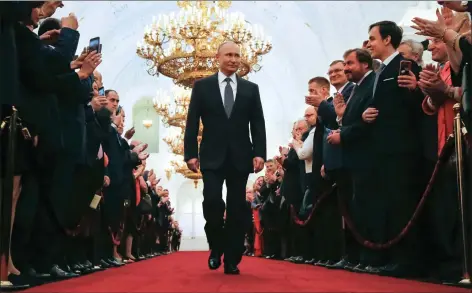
214,261
15,283
400,271
360,268
319,263
104,264
340,265
57,273
87,264
31,272
231,270
327,263
350,266
310,261
372,270
114,263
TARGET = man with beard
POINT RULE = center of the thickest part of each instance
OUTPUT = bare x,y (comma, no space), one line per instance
351,136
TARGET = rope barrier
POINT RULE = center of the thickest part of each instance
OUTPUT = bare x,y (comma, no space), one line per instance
443,157
303,223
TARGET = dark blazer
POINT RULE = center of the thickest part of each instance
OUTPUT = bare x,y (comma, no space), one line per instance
332,154
318,184
225,137
326,108
354,131
395,131
10,13
292,188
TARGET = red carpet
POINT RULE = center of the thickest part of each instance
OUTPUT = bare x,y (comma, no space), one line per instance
188,272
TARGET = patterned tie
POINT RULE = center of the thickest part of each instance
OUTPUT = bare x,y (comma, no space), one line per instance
377,75
229,97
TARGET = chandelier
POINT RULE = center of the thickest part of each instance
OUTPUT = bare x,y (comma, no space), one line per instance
183,46
174,115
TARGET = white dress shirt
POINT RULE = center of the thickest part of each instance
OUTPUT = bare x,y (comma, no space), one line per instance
305,153
222,83
390,58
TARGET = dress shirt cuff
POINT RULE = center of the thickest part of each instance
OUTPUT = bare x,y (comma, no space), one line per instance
428,106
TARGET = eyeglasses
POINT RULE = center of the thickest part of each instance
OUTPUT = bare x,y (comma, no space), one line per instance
335,71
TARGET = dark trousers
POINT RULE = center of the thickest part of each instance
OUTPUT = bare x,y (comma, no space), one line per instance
388,198
351,249
23,243
441,225
233,229
48,234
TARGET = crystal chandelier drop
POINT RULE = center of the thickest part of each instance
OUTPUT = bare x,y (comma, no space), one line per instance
183,46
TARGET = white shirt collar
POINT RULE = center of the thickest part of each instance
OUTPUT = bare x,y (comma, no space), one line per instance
222,77
365,75
342,88
390,58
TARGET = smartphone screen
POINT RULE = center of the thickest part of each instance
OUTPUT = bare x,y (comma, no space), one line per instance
94,44
405,67
101,91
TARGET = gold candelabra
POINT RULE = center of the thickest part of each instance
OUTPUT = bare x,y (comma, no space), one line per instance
183,46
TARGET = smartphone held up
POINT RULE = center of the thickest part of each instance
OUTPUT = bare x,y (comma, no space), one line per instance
405,67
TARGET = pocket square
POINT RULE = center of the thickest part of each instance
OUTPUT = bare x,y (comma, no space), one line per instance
387,79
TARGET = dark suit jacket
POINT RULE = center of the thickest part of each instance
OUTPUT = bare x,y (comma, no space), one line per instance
10,13
354,131
292,188
332,154
395,131
326,108
225,137
318,184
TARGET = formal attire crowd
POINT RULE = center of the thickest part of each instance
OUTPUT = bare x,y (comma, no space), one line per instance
369,183
83,199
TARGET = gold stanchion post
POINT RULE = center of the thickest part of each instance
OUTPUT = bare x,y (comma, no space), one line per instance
460,192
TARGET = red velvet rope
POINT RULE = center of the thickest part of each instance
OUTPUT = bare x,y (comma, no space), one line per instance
379,246
303,223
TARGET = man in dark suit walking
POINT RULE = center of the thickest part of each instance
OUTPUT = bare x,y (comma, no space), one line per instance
226,104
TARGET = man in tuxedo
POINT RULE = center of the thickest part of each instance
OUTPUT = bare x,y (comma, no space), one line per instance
352,137
394,114
226,104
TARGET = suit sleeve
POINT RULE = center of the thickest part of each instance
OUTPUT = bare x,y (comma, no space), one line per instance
193,124
353,132
34,71
258,131
67,43
328,115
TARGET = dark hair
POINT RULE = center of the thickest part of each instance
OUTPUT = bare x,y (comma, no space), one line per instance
49,24
336,62
109,91
362,55
389,28
322,81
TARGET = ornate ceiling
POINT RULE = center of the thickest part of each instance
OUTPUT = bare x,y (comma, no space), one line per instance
306,37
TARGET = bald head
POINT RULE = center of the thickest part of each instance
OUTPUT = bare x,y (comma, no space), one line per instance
229,57
98,78
310,115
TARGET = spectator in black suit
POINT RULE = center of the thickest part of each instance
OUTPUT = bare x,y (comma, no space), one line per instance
352,137
394,113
